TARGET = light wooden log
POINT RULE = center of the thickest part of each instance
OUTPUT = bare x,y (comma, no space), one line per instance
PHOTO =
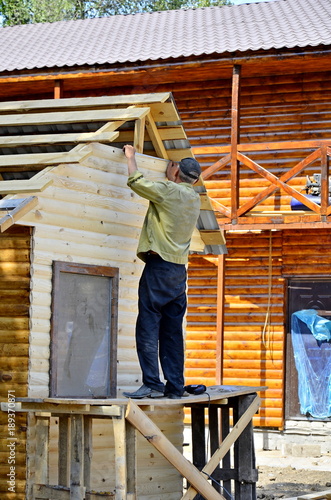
25,206
60,138
87,116
77,489
155,137
41,453
153,434
24,186
120,457
139,134
36,160
83,102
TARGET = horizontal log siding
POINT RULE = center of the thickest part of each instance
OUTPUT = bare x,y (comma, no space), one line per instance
201,332
253,354
89,215
14,349
278,108
307,253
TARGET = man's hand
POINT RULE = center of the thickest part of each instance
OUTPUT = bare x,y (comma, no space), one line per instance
130,152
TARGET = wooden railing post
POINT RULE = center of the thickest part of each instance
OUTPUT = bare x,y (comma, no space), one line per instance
235,139
324,181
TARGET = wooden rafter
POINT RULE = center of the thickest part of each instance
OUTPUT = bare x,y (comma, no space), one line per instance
15,209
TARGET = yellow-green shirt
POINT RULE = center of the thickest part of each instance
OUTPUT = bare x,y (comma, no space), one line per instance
170,219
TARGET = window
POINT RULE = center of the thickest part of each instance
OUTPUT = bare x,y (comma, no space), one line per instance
84,331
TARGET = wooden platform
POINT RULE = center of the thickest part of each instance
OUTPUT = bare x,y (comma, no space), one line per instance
209,480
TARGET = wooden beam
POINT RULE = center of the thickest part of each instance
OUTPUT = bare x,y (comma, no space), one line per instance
62,117
58,89
220,318
216,167
83,102
155,137
77,490
325,209
44,139
139,135
24,186
40,159
262,146
235,139
17,213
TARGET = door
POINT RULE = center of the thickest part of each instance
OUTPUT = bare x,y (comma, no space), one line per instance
306,293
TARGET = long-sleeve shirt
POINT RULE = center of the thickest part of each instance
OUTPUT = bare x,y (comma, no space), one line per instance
170,219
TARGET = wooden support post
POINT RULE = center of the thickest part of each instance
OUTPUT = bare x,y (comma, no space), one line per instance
198,439
324,181
153,434
87,451
63,443
225,431
41,455
131,460
139,135
214,435
120,458
244,456
235,140
220,318
58,89
77,490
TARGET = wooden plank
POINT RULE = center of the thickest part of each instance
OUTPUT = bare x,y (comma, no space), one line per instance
154,436
71,409
41,452
83,102
63,441
120,458
208,172
44,139
131,460
77,490
88,450
321,495
40,159
23,186
212,237
261,146
62,117
17,213
45,492
155,137
165,112
139,135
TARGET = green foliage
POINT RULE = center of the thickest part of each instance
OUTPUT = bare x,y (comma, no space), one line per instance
14,12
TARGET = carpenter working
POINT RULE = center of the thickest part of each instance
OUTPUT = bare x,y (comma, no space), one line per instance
164,244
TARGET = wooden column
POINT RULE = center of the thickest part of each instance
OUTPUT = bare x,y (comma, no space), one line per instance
120,458
324,181
41,456
220,319
77,490
235,139
58,89
63,450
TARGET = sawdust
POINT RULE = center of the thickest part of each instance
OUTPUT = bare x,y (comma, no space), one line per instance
288,482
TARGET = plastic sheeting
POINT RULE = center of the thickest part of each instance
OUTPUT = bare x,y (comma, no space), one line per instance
311,340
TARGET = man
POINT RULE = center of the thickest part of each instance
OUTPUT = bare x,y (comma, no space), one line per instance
164,246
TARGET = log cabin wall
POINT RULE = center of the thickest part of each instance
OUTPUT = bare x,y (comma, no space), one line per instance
14,353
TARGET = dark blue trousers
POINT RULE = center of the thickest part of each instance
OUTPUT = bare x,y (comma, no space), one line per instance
159,329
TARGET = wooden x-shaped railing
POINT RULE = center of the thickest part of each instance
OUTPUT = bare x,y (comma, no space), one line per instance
323,152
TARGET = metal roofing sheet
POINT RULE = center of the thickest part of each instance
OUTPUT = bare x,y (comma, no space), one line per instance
168,34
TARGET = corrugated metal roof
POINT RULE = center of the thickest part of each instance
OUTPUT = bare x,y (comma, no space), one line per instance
168,34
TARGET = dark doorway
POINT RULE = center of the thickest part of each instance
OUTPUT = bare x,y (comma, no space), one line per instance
306,293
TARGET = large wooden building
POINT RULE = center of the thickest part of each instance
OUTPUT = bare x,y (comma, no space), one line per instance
252,88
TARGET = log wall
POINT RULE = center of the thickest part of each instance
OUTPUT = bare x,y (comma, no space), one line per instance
255,302
14,353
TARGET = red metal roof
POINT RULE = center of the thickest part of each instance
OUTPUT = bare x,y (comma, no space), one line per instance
168,34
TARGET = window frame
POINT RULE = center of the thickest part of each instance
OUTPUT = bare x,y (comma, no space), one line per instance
89,270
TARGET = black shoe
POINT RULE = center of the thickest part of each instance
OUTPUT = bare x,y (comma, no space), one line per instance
144,392
170,395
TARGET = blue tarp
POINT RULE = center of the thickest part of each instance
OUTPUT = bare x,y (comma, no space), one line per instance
311,340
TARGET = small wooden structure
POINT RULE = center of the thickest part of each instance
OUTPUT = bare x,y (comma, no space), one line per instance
238,473
69,229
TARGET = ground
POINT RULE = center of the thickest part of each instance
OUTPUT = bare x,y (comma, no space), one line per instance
287,481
